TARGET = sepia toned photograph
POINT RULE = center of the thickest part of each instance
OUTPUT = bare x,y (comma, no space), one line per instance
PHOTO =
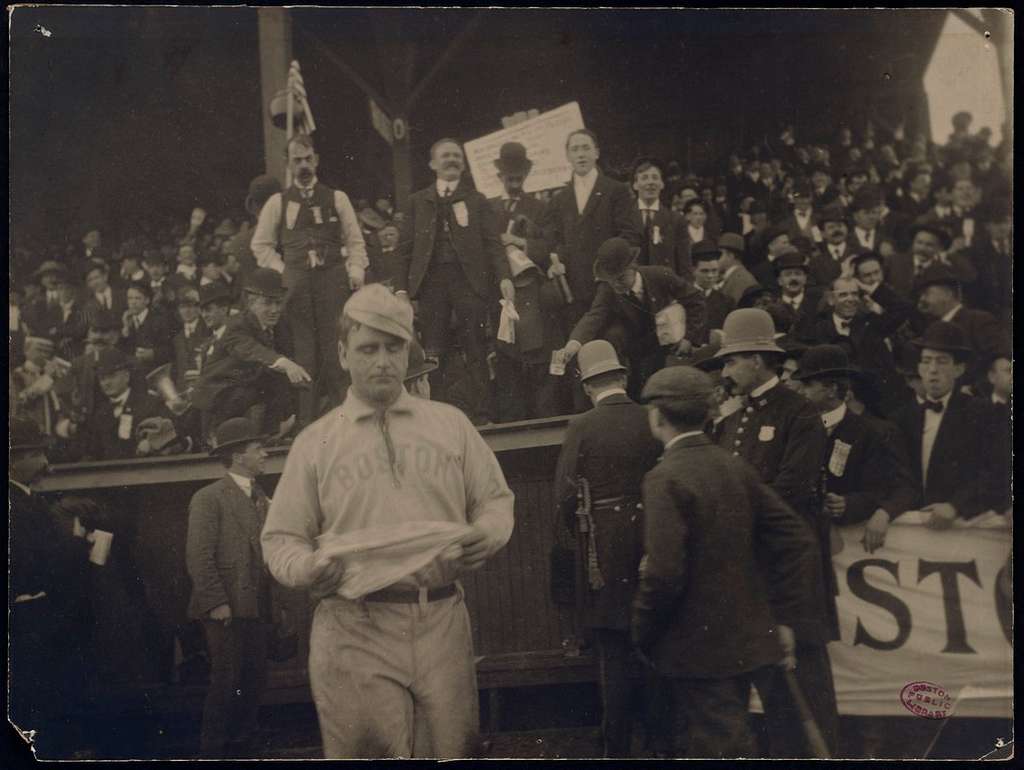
509,383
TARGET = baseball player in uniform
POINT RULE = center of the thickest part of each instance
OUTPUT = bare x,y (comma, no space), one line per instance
392,673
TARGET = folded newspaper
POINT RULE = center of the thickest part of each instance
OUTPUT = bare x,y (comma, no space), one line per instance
376,558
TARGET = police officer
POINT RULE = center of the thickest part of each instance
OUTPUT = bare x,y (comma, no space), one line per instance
780,433
604,457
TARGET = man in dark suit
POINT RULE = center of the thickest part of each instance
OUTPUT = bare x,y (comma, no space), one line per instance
231,590
714,536
776,242
631,304
866,475
867,234
800,301
146,332
697,229
100,294
706,275
664,235
451,258
835,252
959,450
597,495
929,243
588,211
156,275
802,220
41,313
250,372
781,435
214,307
736,279
189,342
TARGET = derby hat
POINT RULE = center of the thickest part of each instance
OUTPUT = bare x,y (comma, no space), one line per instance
732,242
748,330
705,248
613,256
418,363
790,258
235,433
260,189
821,360
598,357
752,294
512,159
376,306
937,275
774,232
266,283
26,435
833,212
946,337
213,292
50,266
868,197
929,226
679,385
111,360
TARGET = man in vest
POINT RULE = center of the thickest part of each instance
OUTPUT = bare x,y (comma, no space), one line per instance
323,257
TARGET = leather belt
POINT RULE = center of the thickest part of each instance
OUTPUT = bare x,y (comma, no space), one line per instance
402,596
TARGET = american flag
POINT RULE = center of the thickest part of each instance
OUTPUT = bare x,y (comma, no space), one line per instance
297,87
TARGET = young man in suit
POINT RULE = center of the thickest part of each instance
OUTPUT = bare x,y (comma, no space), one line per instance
959,450
451,259
214,307
156,275
802,220
866,475
780,434
865,210
626,310
250,372
231,590
588,211
736,279
146,332
322,258
608,475
696,229
189,342
714,535
834,254
706,278
664,239
776,242
100,294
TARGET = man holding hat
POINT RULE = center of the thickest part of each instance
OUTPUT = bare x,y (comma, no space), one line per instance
322,257
780,433
714,535
392,672
231,592
866,476
959,450
597,496
630,304
251,373
736,279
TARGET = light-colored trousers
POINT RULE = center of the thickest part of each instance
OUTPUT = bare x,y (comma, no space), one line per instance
394,680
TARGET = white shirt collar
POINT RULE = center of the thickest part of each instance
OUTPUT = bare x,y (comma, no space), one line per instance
219,332
122,399
186,269
586,180
190,327
638,285
681,436
141,317
798,300
952,313
245,484
20,486
610,392
444,184
944,400
760,390
656,206
997,399
311,184
833,418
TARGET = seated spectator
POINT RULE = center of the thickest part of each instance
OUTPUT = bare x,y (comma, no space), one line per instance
210,269
101,295
79,390
130,269
189,342
214,307
776,242
71,323
146,332
802,219
249,373
39,311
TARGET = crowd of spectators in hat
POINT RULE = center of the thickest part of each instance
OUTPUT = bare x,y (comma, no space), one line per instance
861,242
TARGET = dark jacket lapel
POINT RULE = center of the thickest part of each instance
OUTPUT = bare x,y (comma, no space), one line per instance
600,189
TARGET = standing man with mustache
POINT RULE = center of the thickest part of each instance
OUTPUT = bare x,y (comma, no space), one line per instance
311,235
450,256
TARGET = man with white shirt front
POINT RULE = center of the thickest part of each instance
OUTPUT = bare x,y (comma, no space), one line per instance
323,258
101,295
795,295
866,210
664,241
834,253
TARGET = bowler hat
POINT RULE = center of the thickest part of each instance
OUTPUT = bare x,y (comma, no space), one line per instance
266,283
679,385
418,363
613,256
833,212
936,275
821,360
774,232
25,435
376,306
868,197
50,266
748,330
111,360
260,189
234,433
752,294
947,337
930,226
705,248
512,159
213,292
732,242
790,258
598,357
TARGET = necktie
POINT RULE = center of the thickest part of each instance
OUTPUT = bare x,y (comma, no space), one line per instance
510,204
844,326
648,215
935,406
835,253
447,193
254,494
307,193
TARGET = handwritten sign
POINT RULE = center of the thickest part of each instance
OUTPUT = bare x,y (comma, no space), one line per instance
544,139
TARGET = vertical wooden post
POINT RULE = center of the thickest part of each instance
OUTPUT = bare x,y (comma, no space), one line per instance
275,38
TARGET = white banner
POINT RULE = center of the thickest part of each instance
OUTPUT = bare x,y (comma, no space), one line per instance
925,628
544,139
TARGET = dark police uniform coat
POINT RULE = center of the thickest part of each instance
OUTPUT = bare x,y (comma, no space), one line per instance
610,446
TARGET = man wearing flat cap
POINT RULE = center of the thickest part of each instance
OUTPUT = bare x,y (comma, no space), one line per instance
959,449
382,462
644,311
231,589
715,535
597,496
780,434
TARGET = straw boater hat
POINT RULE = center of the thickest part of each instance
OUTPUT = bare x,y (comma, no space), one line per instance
748,330
233,434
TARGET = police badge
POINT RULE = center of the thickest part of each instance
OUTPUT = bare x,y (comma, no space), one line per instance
767,433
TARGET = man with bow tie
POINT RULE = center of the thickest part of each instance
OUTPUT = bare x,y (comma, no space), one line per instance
451,260
959,448
250,373
231,590
323,258
665,243
781,435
